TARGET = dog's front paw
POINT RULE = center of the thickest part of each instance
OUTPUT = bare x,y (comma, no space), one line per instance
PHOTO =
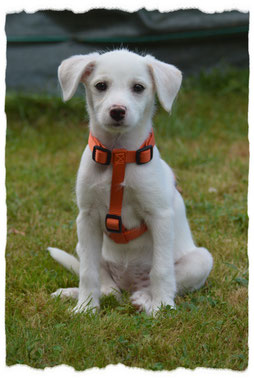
87,306
143,301
156,305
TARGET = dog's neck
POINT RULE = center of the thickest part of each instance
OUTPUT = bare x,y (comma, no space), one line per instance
130,139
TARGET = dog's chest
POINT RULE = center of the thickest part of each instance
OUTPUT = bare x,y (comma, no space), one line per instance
100,192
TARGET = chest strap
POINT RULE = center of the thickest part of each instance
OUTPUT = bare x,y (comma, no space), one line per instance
119,158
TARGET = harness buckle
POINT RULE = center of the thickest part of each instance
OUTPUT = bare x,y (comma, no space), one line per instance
139,153
113,223
104,150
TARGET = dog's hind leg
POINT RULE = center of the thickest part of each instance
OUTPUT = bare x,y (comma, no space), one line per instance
192,264
192,270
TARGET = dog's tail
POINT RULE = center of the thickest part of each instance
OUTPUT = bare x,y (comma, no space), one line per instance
68,261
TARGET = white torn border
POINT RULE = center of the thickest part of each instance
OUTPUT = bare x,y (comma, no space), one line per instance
113,372
131,6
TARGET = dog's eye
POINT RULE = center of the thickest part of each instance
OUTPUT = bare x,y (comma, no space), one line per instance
101,86
138,88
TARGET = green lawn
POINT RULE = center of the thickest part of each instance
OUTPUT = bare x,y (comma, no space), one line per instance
205,142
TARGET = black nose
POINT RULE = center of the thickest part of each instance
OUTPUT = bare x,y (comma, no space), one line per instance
117,113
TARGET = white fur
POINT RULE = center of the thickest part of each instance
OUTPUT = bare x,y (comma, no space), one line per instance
164,260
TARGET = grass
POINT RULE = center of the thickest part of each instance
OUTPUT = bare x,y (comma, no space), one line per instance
205,141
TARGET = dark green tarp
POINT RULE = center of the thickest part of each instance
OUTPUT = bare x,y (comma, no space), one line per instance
189,39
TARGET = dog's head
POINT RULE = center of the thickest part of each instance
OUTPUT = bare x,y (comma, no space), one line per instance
120,86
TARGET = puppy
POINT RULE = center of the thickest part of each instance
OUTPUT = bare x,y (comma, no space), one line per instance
133,233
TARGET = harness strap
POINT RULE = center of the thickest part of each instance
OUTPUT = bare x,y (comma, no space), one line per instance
128,235
119,158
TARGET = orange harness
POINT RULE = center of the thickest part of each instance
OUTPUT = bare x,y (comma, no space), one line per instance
119,158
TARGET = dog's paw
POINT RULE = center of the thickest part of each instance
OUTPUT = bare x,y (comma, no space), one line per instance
143,301
156,305
89,306
66,293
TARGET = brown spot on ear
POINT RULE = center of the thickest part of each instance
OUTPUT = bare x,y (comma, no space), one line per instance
88,70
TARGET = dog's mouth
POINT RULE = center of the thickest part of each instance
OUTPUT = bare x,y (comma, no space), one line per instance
116,125
116,128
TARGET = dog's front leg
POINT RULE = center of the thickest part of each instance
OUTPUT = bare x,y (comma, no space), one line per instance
89,251
162,274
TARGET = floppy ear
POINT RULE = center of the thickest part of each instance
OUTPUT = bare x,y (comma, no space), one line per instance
74,70
167,79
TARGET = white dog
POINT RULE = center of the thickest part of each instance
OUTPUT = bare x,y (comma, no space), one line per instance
158,258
